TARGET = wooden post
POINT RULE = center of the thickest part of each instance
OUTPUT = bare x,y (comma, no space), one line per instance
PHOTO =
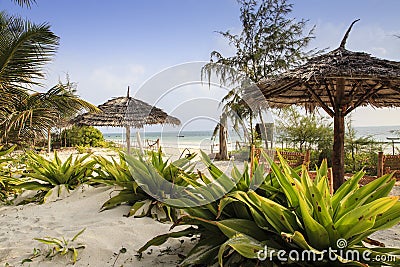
380,164
338,152
48,140
128,138
223,149
338,142
307,159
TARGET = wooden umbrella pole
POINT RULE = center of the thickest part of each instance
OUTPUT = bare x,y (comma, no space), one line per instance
48,140
338,151
338,142
128,139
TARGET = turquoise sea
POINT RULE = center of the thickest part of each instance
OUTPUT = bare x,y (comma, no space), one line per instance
203,139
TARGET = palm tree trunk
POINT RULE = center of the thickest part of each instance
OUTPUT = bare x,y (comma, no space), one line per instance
223,149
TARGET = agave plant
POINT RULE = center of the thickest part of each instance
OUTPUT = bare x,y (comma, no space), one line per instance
220,219
247,222
48,176
62,246
130,170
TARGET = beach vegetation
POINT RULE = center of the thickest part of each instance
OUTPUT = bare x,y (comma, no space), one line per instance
234,229
268,43
27,115
61,246
86,136
31,116
8,178
54,176
130,170
360,152
26,3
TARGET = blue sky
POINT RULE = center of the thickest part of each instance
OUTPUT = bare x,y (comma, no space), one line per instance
106,46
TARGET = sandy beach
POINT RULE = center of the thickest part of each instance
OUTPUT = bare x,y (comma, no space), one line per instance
106,232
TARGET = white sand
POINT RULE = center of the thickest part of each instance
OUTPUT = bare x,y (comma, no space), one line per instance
106,232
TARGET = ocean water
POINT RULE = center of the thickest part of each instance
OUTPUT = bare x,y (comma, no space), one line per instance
203,139
184,139
379,133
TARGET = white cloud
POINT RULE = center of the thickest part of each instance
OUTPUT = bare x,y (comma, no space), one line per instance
113,81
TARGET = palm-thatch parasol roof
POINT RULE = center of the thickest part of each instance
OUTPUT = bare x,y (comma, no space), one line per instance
126,112
339,82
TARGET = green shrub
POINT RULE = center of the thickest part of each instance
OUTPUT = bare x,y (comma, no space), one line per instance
233,230
83,136
125,174
60,246
48,176
7,175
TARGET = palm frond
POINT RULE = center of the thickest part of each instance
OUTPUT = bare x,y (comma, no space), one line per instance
24,49
27,3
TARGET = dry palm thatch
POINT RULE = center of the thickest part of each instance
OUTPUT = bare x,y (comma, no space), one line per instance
126,112
339,82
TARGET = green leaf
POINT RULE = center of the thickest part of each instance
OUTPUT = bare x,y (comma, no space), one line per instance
244,245
161,239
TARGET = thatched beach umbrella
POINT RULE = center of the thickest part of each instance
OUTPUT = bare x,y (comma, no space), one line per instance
126,112
338,82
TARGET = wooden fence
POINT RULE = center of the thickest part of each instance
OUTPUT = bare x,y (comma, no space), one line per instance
294,159
388,164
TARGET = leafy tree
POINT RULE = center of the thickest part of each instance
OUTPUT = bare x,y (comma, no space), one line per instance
360,152
83,136
305,132
269,43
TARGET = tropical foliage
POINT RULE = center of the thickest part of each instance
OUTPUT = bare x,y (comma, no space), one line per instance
360,152
7,176
25,48
26,3
268,43
30,116
128,173
235,229
83,136
62,246
55,176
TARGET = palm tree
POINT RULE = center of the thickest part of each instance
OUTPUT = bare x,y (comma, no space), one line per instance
268,43
24,50
32,116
